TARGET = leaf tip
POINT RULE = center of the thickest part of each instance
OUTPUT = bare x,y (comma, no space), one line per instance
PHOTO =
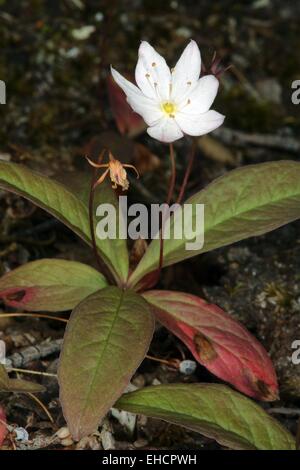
266,392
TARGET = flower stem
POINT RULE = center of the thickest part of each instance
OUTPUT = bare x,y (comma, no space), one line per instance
91,219
33,315
101,265
173,175
33,372
187,173
41,404
174,363
163,216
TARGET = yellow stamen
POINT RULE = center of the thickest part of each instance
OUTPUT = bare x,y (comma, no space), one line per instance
169,108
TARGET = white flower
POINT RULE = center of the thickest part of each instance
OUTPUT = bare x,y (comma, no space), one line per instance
172,102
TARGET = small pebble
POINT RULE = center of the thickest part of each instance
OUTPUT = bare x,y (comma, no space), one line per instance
187,367
21,435
67,442
83,33
99,16
63,433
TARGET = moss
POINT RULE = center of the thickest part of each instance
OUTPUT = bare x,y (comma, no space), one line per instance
278,294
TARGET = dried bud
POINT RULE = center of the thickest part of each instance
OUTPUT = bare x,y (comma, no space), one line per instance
118,174
116,171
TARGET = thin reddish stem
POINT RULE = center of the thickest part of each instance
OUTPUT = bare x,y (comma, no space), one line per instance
33,315
187,173
102,266
163,216
174,363
173,175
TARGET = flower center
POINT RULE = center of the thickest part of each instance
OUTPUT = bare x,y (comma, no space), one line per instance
169,108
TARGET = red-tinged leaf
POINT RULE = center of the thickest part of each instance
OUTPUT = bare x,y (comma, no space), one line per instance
127,121
107,338
49,284
217,341
3,429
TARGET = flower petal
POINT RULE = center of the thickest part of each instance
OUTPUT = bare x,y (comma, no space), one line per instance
201,97
145,107
129,88
199,124
166,130
152,74
150,112
187,70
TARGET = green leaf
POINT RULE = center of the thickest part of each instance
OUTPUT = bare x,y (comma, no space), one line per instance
243,203
213,410
66,206
17,385
116,247
106,339
79,183
49,284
